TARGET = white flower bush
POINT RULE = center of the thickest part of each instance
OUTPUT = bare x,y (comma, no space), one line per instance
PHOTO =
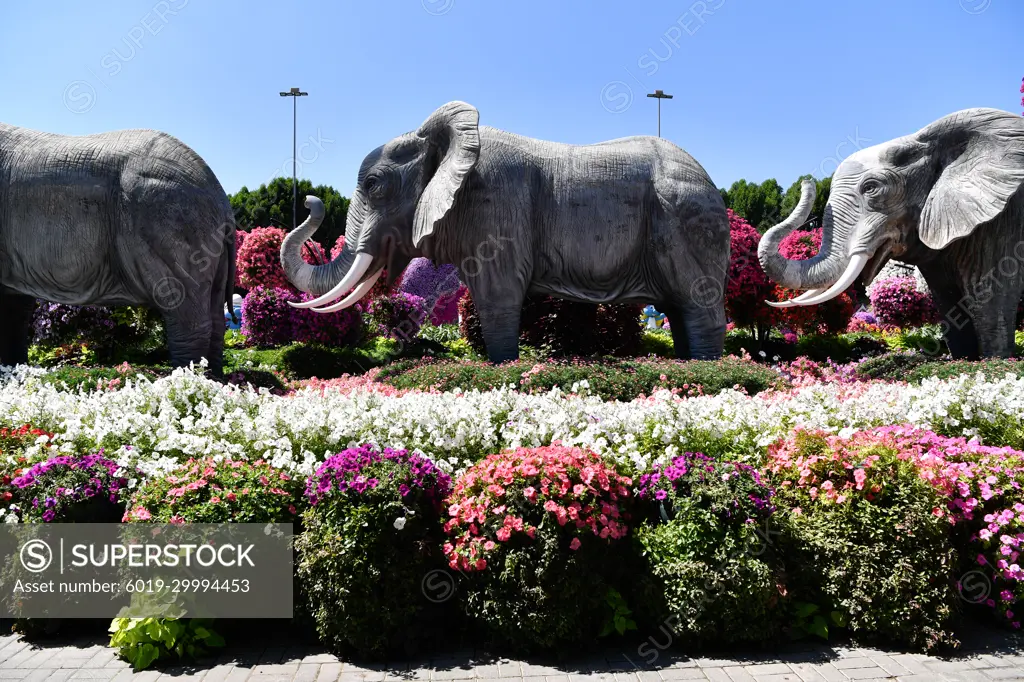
154,424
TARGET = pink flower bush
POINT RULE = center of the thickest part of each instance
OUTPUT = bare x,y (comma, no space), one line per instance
747,286
829,317
258,258
981,487
897,302
209,490
566,492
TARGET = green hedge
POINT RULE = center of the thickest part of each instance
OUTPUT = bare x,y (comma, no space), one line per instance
611,379
914,367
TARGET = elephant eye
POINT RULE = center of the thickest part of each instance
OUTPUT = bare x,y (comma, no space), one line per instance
871,187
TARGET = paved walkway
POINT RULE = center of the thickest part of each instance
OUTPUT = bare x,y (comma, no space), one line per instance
996,656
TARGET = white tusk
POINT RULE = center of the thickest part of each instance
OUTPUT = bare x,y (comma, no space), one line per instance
359,267
352,298
796,300
853,268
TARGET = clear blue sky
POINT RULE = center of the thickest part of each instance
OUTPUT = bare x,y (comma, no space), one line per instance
762,88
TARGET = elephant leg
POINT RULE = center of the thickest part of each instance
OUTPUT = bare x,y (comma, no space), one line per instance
188,327
956,322
677,326
499,321
218,295
995,323
16,312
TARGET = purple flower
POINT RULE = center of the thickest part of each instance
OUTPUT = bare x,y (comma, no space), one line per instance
355,471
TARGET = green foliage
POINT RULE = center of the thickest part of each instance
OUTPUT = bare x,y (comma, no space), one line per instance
91,378
658,342
144,641
619,620
271,206
926,339
893,366
914,367
611,379
808,620
840,348
304,361
760,205
710,551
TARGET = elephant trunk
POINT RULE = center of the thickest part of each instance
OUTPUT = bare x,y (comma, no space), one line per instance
822,270
314,279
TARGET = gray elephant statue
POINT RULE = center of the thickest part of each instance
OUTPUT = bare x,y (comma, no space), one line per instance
948,199
630,220
132,217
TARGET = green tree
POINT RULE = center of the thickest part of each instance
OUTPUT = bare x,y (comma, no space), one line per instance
759,205
271,206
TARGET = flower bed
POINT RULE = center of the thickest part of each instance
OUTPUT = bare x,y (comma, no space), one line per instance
834,504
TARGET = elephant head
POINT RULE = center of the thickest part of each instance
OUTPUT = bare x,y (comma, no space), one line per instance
929,189
404,189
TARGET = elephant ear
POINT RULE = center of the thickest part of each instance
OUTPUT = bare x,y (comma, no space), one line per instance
986,170
453,133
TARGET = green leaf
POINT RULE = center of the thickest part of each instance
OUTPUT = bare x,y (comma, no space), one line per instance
819,627
805,609
147,654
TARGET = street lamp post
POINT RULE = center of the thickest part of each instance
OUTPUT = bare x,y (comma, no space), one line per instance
294,93
659,95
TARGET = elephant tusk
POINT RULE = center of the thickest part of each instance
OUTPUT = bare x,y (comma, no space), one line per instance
359,267
853,269
796,300
354,297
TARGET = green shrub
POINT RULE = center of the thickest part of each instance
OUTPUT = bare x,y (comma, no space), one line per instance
659,343
539,533
862,537
709,547
200,491
893,366
992,369
372,540
841,348
926,340
566,328
610,379
913,367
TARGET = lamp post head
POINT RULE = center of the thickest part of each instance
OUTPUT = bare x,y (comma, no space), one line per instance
294,92
659,94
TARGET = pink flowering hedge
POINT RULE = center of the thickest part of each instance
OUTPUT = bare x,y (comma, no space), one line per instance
941,517
211,491
897,303
539,534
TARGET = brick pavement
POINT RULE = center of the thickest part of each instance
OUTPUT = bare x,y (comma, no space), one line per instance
993,656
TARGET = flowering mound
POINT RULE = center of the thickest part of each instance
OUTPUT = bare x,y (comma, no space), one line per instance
372,534
70,489
438,286
747,286
340,328
258,258
267,317
536,528
869,541
896,301
217,491
398,316
710,553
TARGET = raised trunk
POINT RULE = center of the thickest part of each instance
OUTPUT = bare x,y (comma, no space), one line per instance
822,270
315,279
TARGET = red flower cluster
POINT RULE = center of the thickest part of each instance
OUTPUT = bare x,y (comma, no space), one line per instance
513,496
